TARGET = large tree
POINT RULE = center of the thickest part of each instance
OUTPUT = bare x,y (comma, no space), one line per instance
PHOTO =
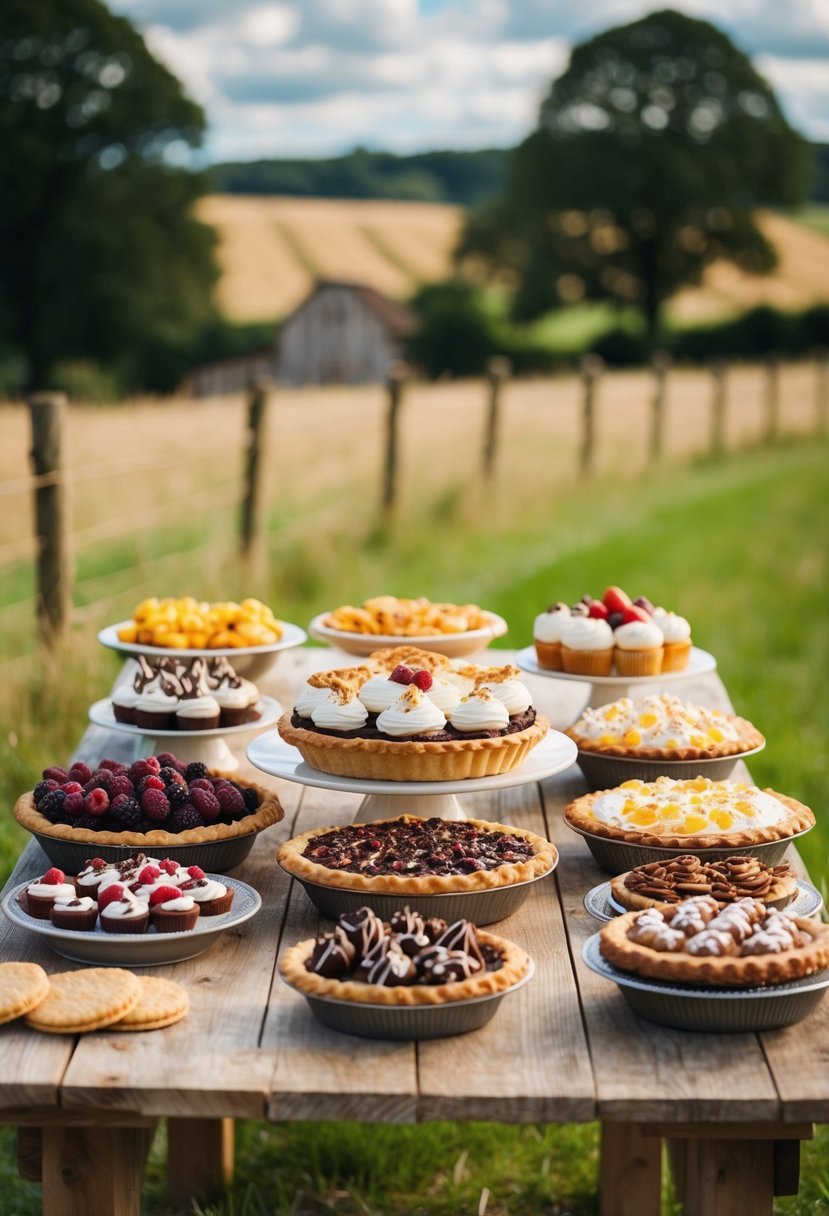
100,255
653,150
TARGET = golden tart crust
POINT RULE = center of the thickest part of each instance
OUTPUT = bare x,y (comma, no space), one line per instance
269,811
797,818
393,760
725,970
684,877
749,738
514,968
543,861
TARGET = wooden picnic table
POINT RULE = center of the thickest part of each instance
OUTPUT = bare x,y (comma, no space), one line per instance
565,1049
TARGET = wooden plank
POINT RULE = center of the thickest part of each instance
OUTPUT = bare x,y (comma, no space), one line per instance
799,1061
97,1169
729,1178
319,1073
630,1175
199,1158
530,1063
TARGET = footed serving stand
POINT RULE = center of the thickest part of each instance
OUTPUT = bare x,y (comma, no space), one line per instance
605,689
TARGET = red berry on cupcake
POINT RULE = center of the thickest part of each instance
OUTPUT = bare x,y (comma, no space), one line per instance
598,610
110,894
633,613
161,895
615,599
422,679
402,674
53,877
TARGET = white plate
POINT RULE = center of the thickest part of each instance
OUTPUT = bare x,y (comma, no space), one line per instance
148,949
292,636
101,714
455,645
700,663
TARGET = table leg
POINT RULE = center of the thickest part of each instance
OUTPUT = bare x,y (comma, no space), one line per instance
728,1178
629,1171
199,1157
88,1171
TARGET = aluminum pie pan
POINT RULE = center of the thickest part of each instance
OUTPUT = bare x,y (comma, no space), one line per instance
216,856
619,856
690,1007
481,907
601,905
409,1021
603,772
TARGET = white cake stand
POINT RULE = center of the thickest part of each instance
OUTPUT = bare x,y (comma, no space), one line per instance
604,689
382,799
209,746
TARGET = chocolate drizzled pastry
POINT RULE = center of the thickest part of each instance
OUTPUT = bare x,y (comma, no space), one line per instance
734,878
430,846
363,928
332,955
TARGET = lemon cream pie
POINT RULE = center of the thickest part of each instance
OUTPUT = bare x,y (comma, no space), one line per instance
409,723
691,814
662,727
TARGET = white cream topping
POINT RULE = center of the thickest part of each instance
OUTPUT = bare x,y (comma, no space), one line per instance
413,713
668,807
513,693
308,699
157,702
198,707
126,908
206,890
548,626
586,633
672,627
236,698
183,903
638,635
444,693
379,692
125,696
480,710
84,903
339,711
659,721
51,890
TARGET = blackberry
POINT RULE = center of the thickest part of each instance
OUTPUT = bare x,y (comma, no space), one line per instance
195,770
92,823
41,789
51,805
126,812
171,776
182,818
251,797
177,794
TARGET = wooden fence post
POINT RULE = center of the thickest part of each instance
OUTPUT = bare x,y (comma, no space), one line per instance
395,380
54,561
498,369
251,519
822,390
660,365
772,399
719,368
591,368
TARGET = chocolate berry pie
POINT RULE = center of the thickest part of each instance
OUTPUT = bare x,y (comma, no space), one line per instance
662,884
409,960
410,856
697,941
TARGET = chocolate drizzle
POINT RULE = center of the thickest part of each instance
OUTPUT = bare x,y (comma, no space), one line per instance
680,878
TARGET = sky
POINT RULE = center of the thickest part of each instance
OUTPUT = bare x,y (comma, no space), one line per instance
315,78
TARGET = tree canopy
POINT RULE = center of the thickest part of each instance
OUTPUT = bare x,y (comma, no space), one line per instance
652,152
101,256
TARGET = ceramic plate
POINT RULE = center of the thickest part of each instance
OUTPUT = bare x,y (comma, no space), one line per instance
455,645
148,949
700,663
601,905
292,636
101,714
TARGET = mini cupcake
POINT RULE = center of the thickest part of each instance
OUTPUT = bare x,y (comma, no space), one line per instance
676,639
92,876
42,894
198,713
124,700
121,911
587,646
213,897
79,912
638,649
547,636
156,710
236,696
172,911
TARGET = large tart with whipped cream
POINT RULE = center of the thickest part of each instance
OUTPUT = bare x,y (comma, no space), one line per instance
410,856
691,814
662,884
745,943
409,960
395,720
662,727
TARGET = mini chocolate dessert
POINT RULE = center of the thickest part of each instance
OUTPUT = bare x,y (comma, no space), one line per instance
79,912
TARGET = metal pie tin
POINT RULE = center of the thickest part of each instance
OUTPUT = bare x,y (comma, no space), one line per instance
689,1007
601,905
618,856
409,1021
216,856
603,772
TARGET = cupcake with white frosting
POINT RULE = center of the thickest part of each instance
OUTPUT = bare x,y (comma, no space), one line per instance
587,646
638,649
547,629
676,639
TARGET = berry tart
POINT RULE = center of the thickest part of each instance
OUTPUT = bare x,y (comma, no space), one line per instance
697,941
409,960
663,884
414,724
662,727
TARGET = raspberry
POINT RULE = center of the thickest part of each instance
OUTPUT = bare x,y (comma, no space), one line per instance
73,804
121,785
231,802
53,876
55,774
195,770
148,875
171,776
114,766
96,802
206,803
168,760
97,863
126,812
177,794
251,797
42,789
72,787
141,768
103,779
196,872
150,782
51,804
80,772
183,818
155,804
423,679
161,894
169,866
110,893
202,783
402,674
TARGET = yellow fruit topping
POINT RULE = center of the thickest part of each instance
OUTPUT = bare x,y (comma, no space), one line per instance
633,738
722,819
644,816
608,740
697,783
633,784
648,719
715,734
693,823
673,744
699,741
611,712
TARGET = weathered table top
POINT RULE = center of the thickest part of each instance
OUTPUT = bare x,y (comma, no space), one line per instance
563,1049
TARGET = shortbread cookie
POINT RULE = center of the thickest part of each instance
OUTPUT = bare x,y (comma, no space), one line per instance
22,987
160,1003
89,999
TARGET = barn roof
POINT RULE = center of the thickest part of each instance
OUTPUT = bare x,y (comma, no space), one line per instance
398,318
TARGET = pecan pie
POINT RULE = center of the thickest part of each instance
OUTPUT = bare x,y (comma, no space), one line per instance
743,944
411,856
698,812
408,960
661,884
414,723
662,727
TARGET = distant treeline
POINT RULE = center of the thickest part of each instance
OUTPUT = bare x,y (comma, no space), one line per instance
465,178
